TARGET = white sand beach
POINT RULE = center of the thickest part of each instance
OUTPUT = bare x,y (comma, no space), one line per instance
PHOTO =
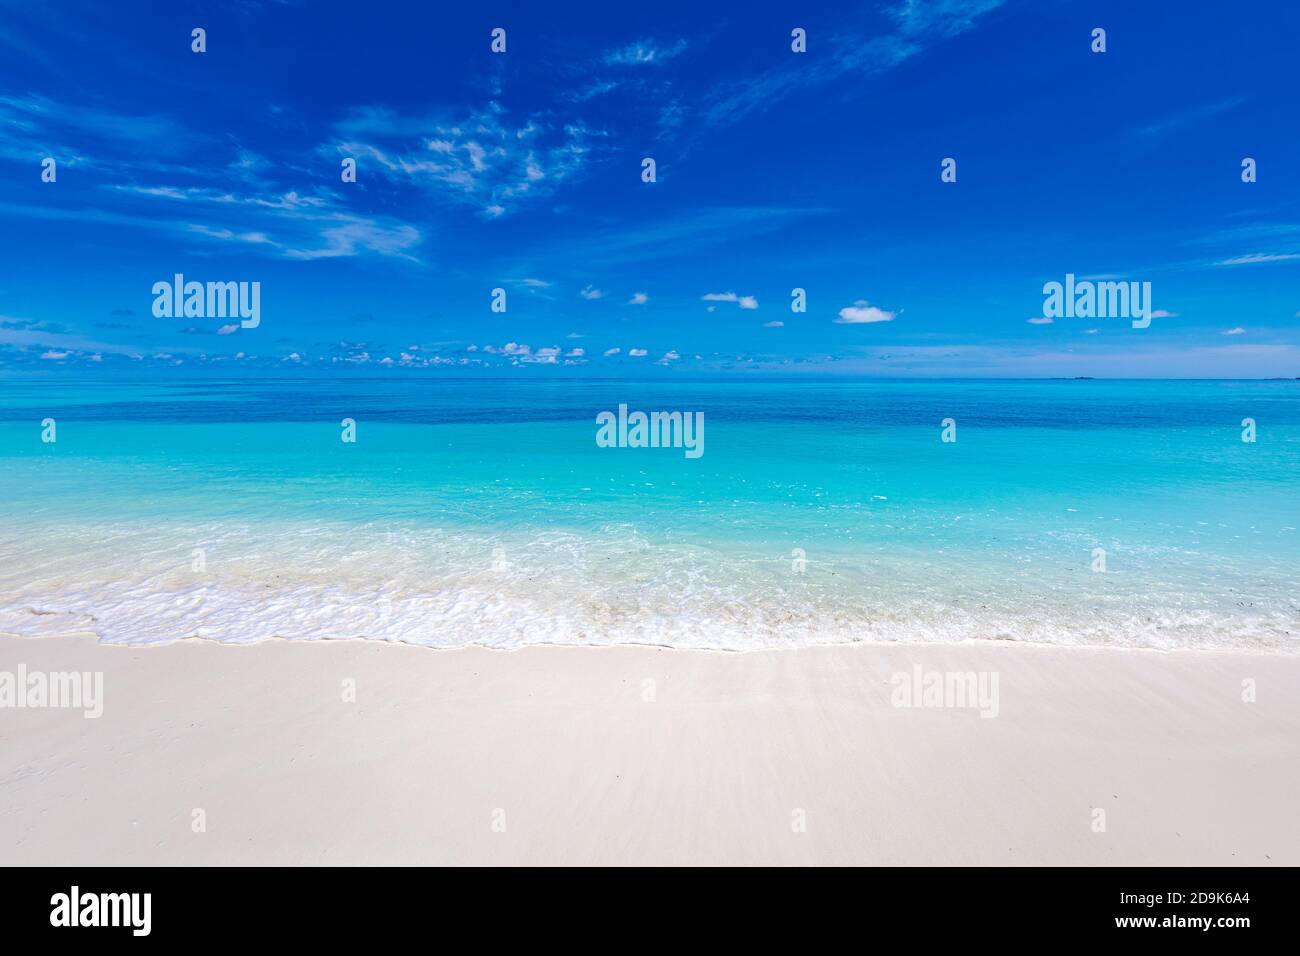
636,755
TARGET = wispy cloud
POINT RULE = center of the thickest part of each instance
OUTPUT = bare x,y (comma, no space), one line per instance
1250,231
858,52
939,18
353,238
257,238
324,233
1259,258
685,234
481,159
35,126
645,53
1191,117
290,224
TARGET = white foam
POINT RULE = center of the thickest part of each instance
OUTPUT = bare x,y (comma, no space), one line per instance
446,588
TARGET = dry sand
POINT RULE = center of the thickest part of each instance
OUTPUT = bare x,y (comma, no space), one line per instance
553,755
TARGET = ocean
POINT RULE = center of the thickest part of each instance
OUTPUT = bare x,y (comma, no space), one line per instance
471,511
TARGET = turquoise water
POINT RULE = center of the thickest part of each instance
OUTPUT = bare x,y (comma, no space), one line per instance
820,512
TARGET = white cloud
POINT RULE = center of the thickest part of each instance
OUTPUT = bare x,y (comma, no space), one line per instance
943,19
1162,314
744,301
228,330
670,356
231,236
297,226
774,324
363,235
164,192
1258,257
1234,331
590,292
482,159
637,353
1040,320
521,354
546,356
644,53
614,351
54,356
847,52
862,312
638,298
513,349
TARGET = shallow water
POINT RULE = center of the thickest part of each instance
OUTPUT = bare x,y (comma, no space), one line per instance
472,511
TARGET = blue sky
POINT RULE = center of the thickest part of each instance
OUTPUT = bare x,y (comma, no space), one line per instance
775,170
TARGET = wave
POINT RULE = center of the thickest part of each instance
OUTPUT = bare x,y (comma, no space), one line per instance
444,588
